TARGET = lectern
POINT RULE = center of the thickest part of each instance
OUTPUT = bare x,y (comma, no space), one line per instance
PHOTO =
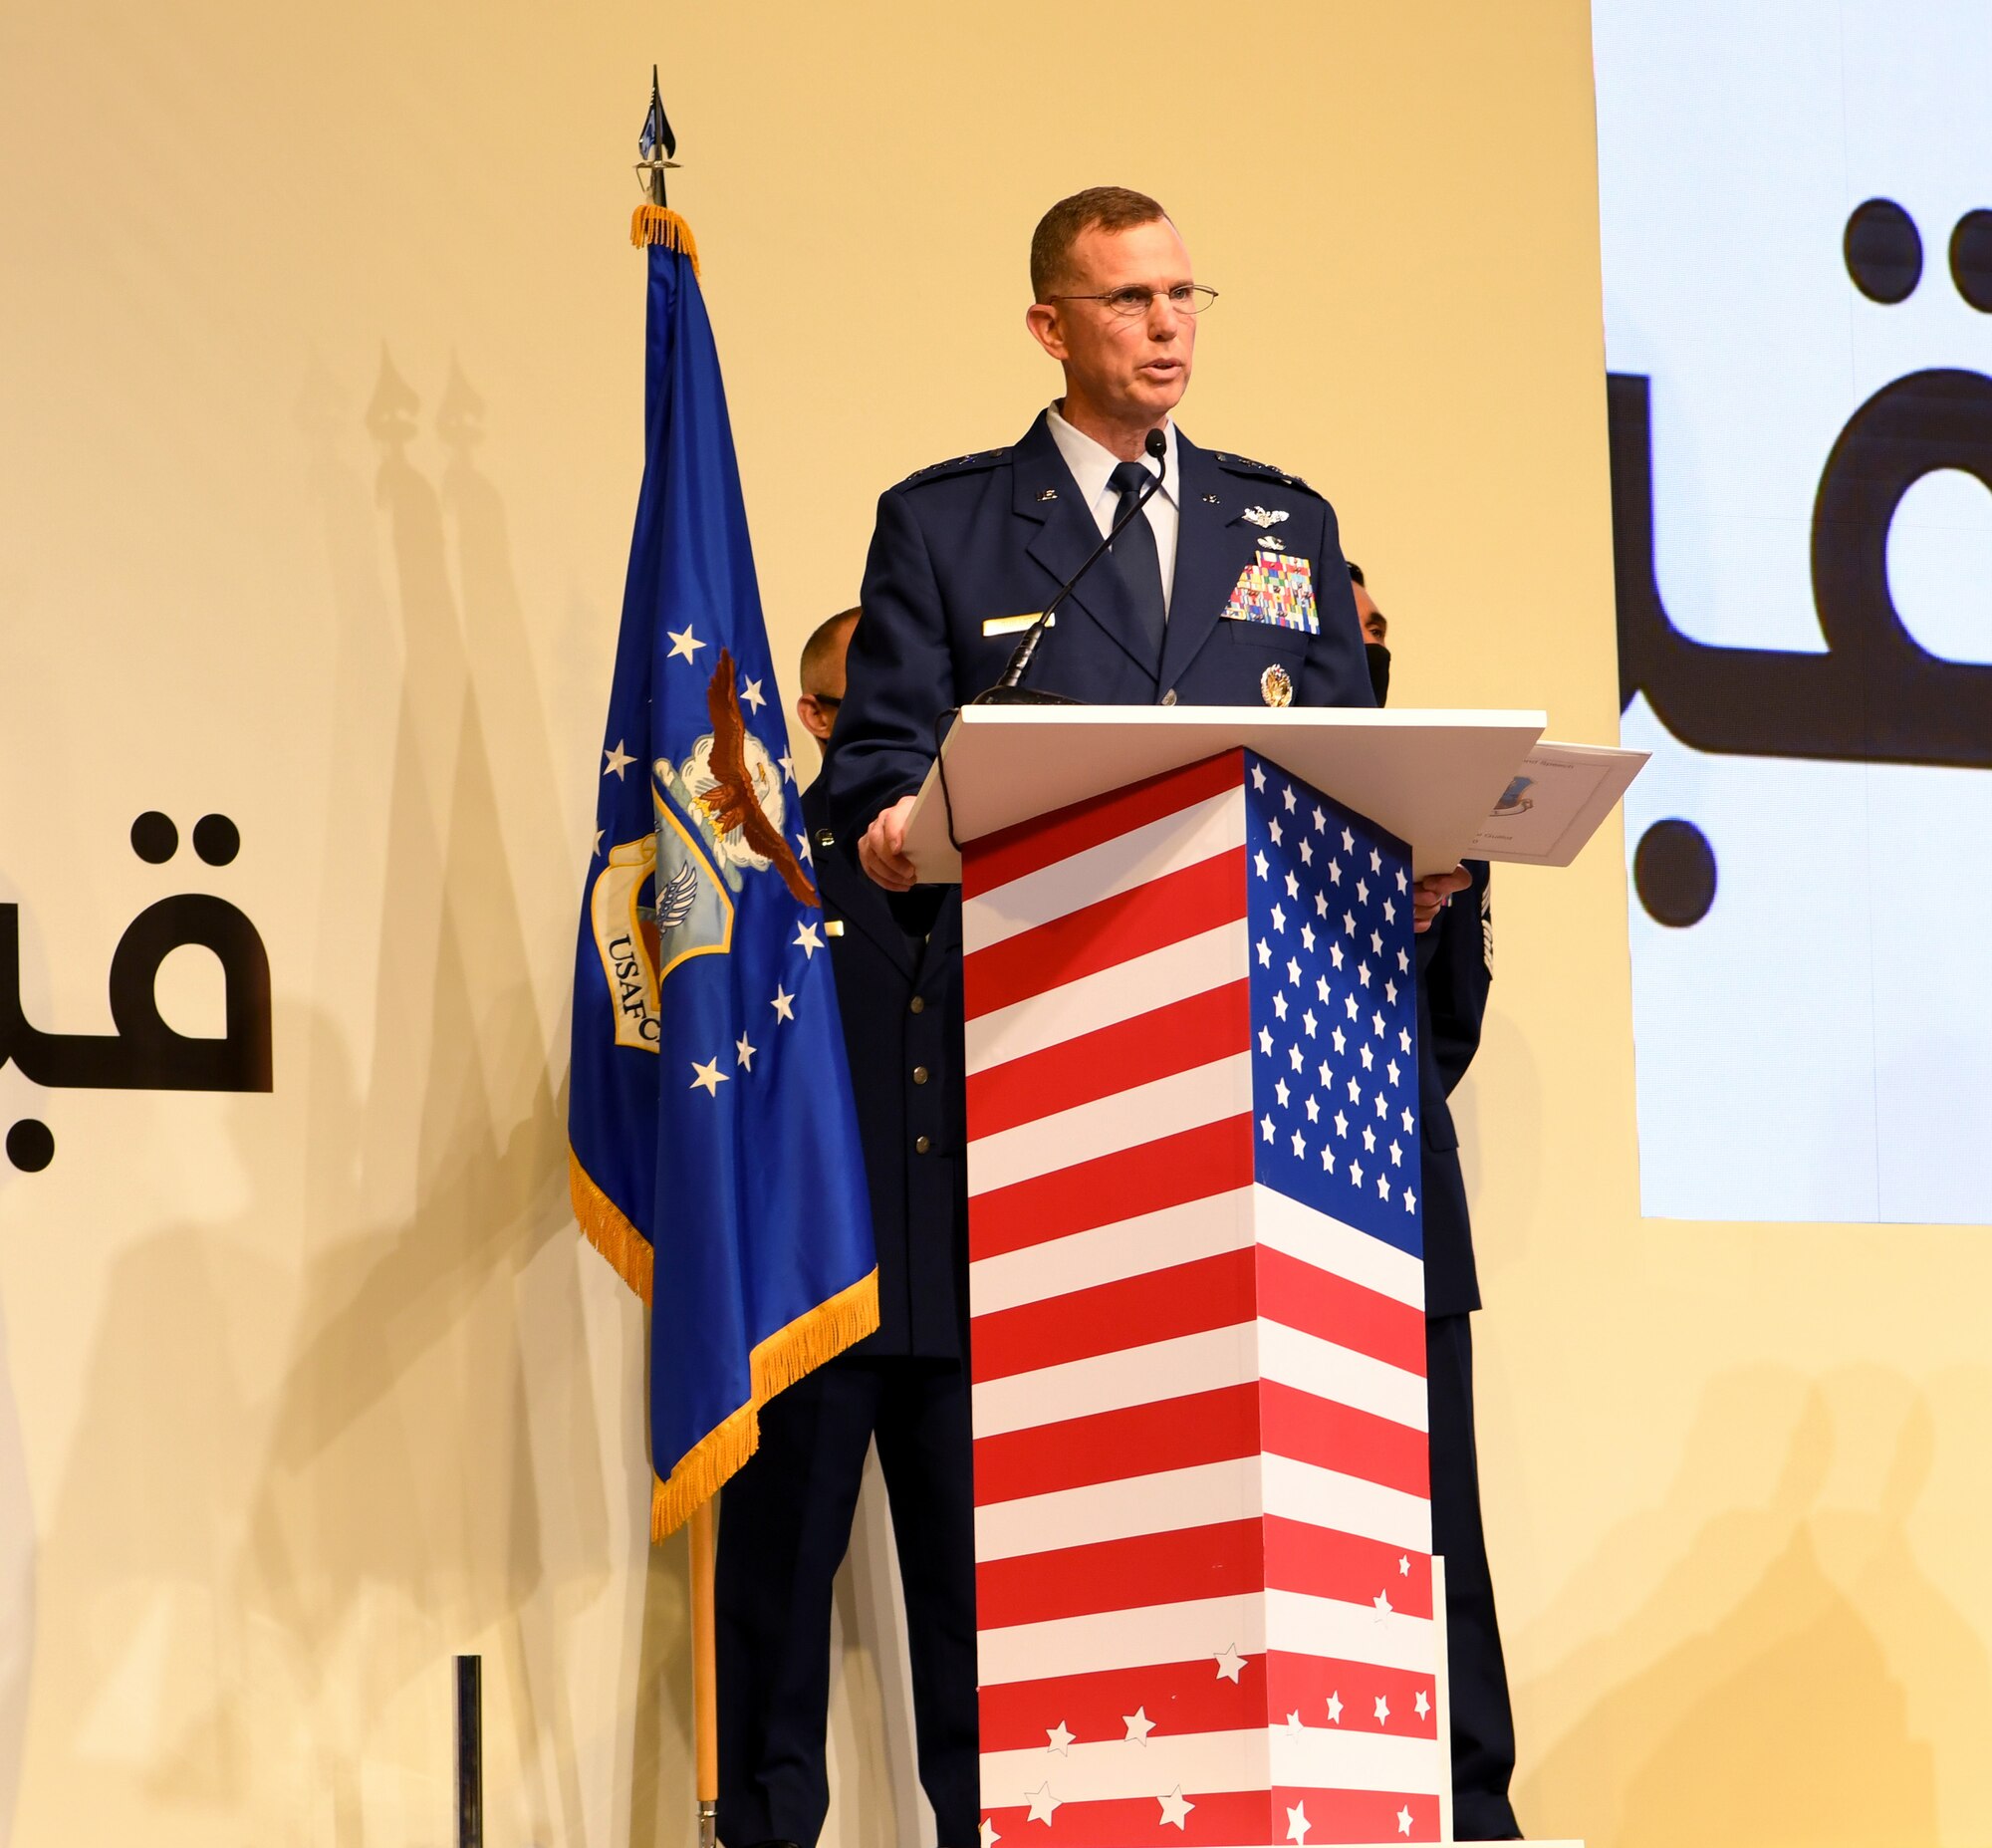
1203,1537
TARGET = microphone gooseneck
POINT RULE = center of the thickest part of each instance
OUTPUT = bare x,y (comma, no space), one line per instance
1010,691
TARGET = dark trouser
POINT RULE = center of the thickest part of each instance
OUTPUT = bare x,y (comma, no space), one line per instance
1484,1726
784,1528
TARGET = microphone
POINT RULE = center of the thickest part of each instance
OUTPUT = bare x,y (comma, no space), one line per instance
1010,691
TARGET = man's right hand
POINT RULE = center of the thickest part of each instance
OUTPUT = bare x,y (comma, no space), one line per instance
881,853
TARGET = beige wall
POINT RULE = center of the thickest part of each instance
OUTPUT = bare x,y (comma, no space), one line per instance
302,1394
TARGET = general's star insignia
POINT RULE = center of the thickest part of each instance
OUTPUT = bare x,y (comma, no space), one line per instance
1049,495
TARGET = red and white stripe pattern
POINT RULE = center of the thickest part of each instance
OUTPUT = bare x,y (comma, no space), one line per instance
1203,1523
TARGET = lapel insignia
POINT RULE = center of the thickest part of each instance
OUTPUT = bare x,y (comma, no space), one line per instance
1275,687
1262,516
1271,543
1049,495
1210,500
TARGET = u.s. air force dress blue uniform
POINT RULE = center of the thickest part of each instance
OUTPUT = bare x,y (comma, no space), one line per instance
963,549
785,1519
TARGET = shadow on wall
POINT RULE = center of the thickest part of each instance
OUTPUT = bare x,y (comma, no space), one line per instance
1767,1710
253,1582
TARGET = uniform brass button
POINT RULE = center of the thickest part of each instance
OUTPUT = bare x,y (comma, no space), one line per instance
918,1004
919,1074
1170,697
922,1145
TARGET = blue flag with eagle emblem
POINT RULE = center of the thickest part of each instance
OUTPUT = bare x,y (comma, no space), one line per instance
712,1141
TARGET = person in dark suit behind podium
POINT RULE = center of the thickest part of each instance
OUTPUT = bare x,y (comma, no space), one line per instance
785,1519
1455,966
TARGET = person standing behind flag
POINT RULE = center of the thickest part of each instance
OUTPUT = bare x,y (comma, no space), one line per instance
785,1518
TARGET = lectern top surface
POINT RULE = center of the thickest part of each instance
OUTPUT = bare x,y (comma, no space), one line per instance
1429,777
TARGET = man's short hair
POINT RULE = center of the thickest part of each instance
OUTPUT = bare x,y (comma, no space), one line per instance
823,644
1106,208
1355,574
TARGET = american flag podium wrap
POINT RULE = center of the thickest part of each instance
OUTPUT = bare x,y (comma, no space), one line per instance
1203,1533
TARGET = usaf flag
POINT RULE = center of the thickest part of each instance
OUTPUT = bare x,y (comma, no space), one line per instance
711,1136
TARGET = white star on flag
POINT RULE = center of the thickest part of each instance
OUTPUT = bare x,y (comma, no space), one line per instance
619,761
1296,1823
1230,1664
1335,957
1293,972
1382,1603
807,941
1410,1200
1404,1820
1058,1738
684,644
1258,777
708,1077
1403,1565
1139,1725
1307,937
1300,1146
1335,872
1266,1128
1376,860
1320,820
1293,886
1266,1041
1402,882
1259,863
599,833
1362,891
1294,1723
1042,1804
1280,1092
744,1053
1347,842
988,1833
1280,1006
784,1003
751,693
1307,852
1423,1705
1265,950
1279,921
1175,1807
1313,1109
1334,1709
788,764
1287,795
1382,1711
1311,1024
1273,833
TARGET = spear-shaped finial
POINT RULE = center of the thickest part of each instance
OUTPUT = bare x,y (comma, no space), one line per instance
655,222
657,144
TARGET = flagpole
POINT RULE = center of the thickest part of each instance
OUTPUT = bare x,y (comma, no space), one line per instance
704,1675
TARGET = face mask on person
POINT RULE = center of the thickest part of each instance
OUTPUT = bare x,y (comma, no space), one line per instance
1380,669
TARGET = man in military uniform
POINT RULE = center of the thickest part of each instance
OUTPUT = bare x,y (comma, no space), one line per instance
785,1519
1228,588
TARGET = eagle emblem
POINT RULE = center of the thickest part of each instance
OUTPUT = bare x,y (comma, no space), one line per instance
734,784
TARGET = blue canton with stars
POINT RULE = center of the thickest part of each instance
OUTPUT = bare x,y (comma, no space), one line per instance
1335,1064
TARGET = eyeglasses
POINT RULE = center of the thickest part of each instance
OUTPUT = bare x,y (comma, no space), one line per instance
829,701
1186,298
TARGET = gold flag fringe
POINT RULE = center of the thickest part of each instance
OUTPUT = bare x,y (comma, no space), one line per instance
818,1335
658,224
607,1229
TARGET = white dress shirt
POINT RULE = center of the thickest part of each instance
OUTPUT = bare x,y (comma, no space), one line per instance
1093,465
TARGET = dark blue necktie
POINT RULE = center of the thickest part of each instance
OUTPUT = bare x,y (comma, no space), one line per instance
1136,557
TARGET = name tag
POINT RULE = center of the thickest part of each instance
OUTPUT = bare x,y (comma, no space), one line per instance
833,926
1012,625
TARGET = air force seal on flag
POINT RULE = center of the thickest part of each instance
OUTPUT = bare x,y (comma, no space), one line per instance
1277,588
669,896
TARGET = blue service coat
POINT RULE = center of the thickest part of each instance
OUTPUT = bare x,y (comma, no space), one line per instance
990,536
899,996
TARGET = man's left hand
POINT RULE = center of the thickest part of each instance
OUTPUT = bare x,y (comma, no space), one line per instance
1432,891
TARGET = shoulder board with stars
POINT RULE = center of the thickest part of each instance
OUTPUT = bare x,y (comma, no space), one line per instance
1263,472
960,465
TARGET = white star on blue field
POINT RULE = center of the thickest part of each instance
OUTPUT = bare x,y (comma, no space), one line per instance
1335,1068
